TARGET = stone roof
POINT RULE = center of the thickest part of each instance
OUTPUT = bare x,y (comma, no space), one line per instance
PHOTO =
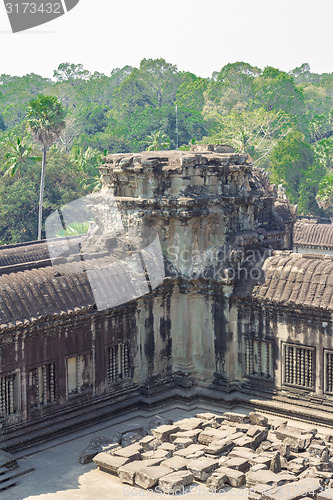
293,279
44,292
309,235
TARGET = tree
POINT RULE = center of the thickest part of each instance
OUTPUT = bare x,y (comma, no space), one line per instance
46,120
20,153
293,164
325,193
158,141
88,162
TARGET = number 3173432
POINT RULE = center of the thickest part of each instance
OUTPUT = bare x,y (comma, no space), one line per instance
33,8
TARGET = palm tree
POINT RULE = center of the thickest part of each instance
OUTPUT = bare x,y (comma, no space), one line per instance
158,141
46,120
19,154
89,161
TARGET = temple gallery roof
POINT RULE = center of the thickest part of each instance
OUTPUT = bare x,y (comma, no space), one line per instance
292,279
309,235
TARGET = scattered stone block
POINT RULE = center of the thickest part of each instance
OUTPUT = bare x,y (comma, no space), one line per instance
245,453
295,491
148,477
148,443
174,482
202,468
208,435
218,447
127,472
191,434
189,424
237,463
258,467
163,432
216,482
163,454
261,460
233,477
190,450
97,445
132,452
236,417
268,477
109,463
210,416
297,465
176,463
181,443
257,419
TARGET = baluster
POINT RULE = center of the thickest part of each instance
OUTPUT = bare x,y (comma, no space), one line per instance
37,386
298,366
78,378
258,342
310,382
251,356
11,394
1,396
267,360
52,382
302,368
247,355
44,394
126,370
329,373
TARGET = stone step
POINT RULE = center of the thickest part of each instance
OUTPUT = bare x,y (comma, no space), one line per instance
9,478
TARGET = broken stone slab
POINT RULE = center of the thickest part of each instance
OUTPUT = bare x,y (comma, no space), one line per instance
316,449
258,419
233,477
236,417
202,468
148,477
245,453
189,424
158,453
163,432
195,455
127,472
176,463
130,438
190,450
262,460
208,435
216,482
258,439
97,445
130,429
109,463
297,465
132,452
237,463
258,467
174,482
268,477
277,422
210,416
181,443
190,434
243,441
218,447
295,491
148,443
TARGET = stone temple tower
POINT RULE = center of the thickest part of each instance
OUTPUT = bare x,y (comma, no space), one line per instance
217,218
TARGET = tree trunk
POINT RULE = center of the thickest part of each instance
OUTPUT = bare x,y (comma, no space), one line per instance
41,195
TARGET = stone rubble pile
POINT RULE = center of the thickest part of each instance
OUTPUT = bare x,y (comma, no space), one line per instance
272,459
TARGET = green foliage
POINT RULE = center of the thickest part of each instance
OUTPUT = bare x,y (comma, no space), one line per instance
325,192
283,121
293,165
46,119
19,153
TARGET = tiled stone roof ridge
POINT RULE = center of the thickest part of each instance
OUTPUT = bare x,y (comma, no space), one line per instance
311,235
